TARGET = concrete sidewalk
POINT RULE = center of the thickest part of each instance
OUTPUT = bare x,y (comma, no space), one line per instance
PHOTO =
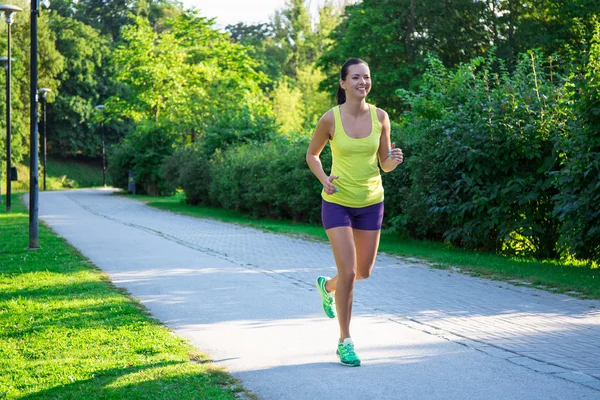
247,298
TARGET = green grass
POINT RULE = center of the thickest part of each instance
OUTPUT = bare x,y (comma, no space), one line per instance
73,173
67,333
63,173
576,279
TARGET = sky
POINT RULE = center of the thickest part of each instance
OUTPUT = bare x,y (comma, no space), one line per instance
233,11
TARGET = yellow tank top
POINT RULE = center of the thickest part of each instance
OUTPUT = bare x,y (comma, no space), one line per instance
355,162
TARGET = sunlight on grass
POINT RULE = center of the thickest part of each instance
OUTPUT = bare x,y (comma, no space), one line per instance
68,333
61,174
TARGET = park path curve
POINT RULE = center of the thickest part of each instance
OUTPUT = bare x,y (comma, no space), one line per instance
247,298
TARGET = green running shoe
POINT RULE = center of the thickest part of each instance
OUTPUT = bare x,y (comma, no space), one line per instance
346,354
328,300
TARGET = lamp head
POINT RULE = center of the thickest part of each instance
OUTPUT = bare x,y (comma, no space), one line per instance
101,107
4,61
44,91
8,11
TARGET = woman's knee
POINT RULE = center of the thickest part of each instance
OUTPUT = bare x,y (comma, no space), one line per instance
363,273
347,275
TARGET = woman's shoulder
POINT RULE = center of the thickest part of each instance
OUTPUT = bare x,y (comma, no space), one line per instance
328,117
382,115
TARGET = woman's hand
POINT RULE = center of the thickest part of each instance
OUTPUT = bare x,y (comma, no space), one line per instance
328,186
396,154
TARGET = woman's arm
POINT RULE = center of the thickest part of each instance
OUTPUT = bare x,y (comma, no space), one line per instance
389,156
323,132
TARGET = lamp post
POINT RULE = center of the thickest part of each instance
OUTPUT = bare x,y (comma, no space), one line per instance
44,93
5,63
33,130
8,11
101,108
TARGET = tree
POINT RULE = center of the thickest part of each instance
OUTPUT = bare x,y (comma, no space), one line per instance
260,41
187,84
289,108
71,128
110,16
50,64
394,37
293,31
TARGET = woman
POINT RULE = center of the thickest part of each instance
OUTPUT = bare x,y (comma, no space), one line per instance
352,205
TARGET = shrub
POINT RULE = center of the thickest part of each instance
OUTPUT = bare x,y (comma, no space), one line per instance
188,168
483,153
578,200
143,152
267,180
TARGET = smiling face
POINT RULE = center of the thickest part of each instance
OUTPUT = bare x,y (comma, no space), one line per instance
358,81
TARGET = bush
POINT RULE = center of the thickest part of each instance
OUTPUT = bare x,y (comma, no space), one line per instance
119,163
237,127
397,186
267,180
483,153
143,152
188,168
578,200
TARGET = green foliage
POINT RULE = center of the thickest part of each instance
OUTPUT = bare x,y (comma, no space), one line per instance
189,78
50,64
288,105
187,84
236,127
553,26
70,123
287,49
188,168
110,16
397,185
578,200
267,180
143,153
315,103
261,45
394,36
483,155
73,173
293,31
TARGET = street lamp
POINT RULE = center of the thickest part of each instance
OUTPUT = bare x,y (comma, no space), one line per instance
101,108
33,129
5,63
8,11
44,92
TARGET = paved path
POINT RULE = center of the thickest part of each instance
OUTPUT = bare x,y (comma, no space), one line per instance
247,298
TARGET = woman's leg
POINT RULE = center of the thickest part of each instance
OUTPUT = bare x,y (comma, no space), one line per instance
366,244
344,252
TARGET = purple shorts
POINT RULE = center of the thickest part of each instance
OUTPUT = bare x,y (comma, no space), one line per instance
366,218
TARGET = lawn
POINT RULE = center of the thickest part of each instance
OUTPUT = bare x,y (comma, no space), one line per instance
67,333
574,278
62,173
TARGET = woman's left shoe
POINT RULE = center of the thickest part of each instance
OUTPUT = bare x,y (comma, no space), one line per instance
346,354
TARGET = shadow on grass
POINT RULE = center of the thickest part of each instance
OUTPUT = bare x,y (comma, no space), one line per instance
161,380
102,309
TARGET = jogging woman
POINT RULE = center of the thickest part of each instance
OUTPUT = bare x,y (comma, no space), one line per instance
352,204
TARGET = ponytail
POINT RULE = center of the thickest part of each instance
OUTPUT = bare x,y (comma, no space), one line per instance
341,95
